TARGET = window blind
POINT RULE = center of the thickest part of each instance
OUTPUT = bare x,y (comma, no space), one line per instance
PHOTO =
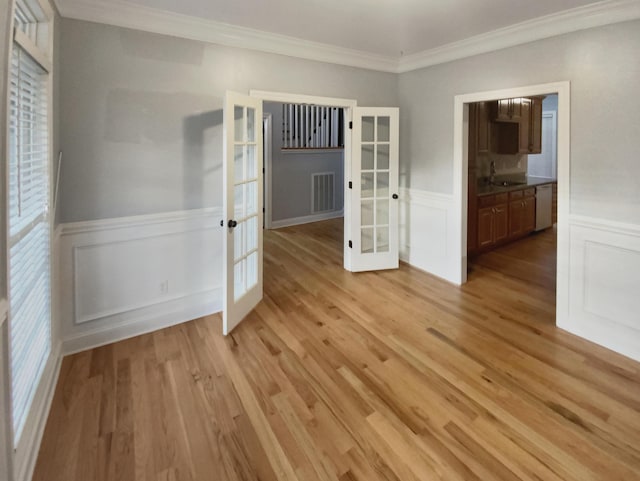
29,277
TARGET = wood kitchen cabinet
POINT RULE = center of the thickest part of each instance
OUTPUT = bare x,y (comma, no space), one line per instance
482,127
522,212
493,220
508,110
535,125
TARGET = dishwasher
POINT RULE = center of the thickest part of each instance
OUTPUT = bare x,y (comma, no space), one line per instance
544,196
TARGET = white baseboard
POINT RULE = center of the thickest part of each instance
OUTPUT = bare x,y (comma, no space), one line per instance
26,453
426,221
307,219
125,277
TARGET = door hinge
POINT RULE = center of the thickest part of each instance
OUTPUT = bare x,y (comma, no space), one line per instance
350,185
263,210
350,244
351,125
263,170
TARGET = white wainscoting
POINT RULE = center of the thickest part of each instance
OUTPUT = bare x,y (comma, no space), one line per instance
128,276
426,232
277,224
603,297
604,284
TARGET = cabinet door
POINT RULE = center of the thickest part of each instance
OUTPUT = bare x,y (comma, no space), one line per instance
472,212
515,218
535,126
483,139
501,222
529,215
485,227
523,126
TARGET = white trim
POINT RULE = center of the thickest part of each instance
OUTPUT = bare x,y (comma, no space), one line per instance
267,122
86,323
31,438
278,224
460,160
348,105
123,14
580,18
288,98
32,50
100,225
607,225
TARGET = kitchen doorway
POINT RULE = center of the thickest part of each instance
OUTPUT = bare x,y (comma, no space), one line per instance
461,177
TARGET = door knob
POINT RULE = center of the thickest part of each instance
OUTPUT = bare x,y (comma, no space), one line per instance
395,196
232,224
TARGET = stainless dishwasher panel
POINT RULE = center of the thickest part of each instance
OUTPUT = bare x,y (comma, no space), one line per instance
544,194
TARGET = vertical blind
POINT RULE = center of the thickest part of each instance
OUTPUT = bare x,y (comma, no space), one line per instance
29,278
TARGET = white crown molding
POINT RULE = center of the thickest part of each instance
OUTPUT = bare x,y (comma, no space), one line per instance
123,14
138,17
581,18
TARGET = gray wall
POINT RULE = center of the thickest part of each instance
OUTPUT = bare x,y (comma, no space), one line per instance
291,173
141,115
602,65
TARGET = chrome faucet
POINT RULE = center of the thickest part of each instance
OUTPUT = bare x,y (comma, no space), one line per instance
492,172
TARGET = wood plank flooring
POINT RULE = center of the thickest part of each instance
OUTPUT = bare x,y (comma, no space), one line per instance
395,376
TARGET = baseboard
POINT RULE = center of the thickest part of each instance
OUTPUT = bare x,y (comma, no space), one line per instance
26,453
307,219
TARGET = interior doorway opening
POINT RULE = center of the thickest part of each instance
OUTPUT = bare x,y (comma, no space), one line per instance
512,192
463,180
304,163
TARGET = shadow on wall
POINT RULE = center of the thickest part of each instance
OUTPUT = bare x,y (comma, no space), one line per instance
200,165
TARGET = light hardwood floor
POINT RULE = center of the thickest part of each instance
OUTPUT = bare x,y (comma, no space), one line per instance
377,376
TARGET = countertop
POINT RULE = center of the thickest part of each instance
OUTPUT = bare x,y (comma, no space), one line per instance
498,189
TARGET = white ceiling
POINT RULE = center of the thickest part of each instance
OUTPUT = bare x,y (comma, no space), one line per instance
390,28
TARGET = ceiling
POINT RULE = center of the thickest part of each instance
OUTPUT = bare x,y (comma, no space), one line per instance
385,35
390,28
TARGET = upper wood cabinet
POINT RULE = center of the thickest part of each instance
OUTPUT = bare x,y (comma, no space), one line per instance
535,126
508,110
483,128
524,126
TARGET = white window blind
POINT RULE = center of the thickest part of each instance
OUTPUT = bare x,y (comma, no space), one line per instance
29,278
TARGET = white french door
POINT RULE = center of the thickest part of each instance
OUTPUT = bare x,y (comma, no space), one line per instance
242,204
374,194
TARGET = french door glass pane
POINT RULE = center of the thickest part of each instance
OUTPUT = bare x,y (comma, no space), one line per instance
367,162
383,129
252,171
251,125
238,116
368,129
367,185
383,157
238,161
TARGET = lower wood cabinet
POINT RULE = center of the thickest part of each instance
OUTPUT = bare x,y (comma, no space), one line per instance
522,212
493,221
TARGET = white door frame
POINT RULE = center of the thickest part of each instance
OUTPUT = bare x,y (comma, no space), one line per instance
460,178
267,122
347,105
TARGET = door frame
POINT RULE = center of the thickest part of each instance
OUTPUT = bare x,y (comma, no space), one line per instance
267,122
348,105
460,179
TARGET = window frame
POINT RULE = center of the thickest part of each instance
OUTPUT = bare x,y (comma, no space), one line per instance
39,45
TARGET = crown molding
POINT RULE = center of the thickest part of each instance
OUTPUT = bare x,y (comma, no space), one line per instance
595,15
123,14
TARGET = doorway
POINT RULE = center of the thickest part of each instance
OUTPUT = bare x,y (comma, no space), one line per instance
461,177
